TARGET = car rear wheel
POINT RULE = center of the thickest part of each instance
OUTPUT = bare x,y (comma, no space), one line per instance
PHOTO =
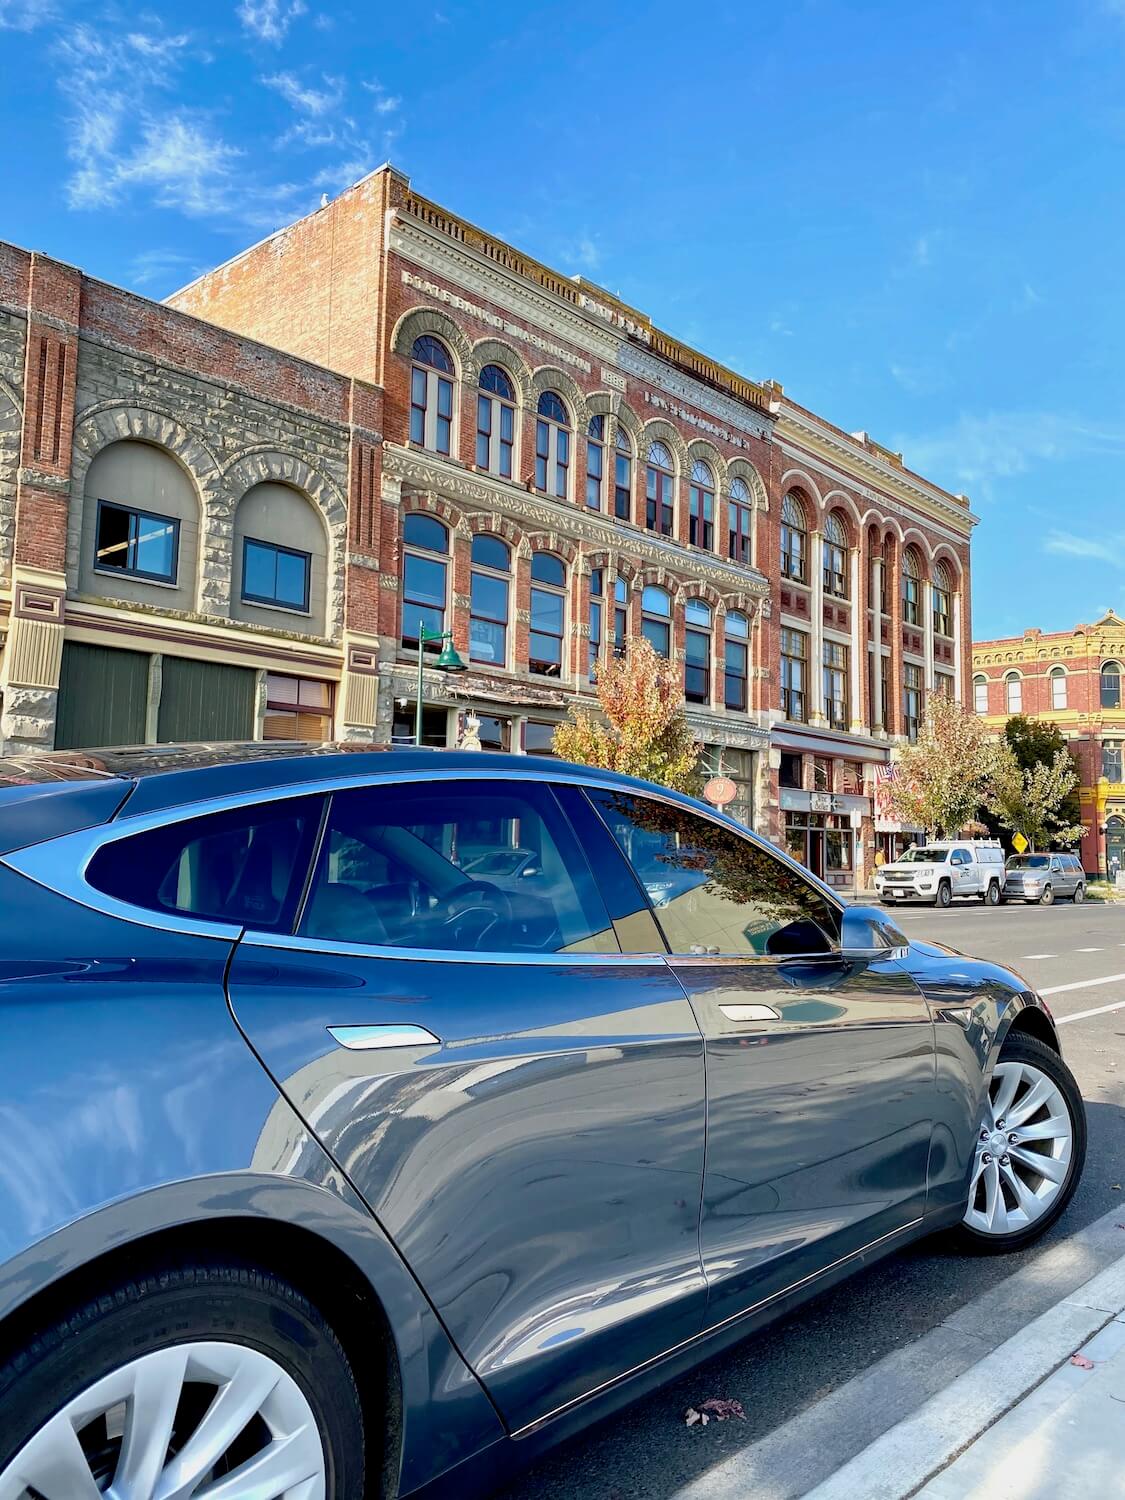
944,894
194,1378
1031,1145
1079,894
1048,897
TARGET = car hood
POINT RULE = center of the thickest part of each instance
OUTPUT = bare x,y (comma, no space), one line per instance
940,971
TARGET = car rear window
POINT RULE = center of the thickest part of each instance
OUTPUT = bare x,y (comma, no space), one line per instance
244,867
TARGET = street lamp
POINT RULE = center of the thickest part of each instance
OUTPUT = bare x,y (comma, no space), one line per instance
447,661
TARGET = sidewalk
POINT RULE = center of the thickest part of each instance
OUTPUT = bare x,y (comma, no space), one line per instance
1030,1421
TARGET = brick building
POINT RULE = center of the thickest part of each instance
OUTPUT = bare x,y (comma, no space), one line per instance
558,473
1074,679
175,561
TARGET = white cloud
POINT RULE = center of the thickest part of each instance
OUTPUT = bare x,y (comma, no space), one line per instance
387,104
1069,544
25,15
976,450
165,266
302,97
269,20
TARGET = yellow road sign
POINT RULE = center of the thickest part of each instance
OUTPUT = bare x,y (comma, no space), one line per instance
1019,843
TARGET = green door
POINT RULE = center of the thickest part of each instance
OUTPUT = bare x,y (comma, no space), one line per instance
103,696
203,700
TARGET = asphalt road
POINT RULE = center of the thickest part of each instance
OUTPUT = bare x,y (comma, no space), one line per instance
648,1451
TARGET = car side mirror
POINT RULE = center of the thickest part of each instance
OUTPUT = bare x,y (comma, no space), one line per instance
868,933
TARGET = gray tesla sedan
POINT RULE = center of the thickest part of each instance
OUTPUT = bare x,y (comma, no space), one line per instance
333,1165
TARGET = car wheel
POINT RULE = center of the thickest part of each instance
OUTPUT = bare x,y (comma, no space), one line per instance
992,895
1031,1145
1048,897
944,894
194,1376
1079,895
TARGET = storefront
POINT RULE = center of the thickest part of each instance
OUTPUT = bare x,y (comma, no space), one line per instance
822,830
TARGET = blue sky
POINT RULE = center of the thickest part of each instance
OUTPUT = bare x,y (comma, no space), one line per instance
910,214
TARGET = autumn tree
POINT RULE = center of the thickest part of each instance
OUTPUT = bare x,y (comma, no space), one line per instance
1035,800
941,782
642,730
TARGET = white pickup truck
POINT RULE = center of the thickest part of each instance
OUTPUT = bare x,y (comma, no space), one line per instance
937,872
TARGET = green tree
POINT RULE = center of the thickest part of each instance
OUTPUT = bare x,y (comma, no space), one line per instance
1033,799
941,781
644,731
1035,743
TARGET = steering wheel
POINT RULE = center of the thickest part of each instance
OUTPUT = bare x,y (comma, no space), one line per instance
474,909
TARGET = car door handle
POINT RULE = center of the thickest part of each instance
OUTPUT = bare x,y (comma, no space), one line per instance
750,1013
368,1038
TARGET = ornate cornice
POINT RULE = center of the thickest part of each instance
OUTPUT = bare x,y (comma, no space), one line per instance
482,492
863,467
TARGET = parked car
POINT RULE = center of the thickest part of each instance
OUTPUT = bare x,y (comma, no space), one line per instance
937,872
1044,878
333,1170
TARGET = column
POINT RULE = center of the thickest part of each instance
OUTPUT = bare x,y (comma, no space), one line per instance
927,606
894,591
815,688
875,667
858,653
958,665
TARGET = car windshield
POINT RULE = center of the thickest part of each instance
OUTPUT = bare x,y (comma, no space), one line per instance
925,856
1029,862
495,862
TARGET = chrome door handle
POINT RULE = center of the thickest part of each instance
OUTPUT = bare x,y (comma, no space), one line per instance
369,1038
750,1013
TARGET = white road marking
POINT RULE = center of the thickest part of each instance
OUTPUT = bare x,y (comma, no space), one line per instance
1083,984
1087,950
1027,957
1081,1015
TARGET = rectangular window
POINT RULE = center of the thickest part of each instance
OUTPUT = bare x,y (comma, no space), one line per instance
1112,756
794,655
546,640
495,421
276,576
911,608
538,737
595,458
622,485
734,689
488,619
1058,689
980,696
297,708
620,616
597,585
423,596
791,772
136,542
836,696
943,683
911,700
697,666
739,532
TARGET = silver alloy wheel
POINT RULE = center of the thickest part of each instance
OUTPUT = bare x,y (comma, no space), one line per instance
1024,1151
209,1421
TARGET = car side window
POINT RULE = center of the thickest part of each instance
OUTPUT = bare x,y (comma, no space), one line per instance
462,866
713,890
962,857
245,867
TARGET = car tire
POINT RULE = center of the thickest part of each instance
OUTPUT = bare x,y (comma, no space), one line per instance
991,896
1037,1060
944,895
176,1335
1047,898
1079,895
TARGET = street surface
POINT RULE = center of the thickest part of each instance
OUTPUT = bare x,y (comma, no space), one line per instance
1075,957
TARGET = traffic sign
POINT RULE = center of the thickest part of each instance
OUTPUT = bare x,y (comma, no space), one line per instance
1019,843
720,790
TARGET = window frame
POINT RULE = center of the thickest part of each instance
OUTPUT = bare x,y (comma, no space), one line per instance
911,590
1058,678
415,549
660,622
497,447
295,708
701,506
595,481
622,491
553,436
660,491
437,383
621,605
834,558
742,678
912,698
496,575
794,694
137,513
261,600
794,538
1013,680
706,633
836,672
980,682
941,602
1110,671
596,619
555,591
740,523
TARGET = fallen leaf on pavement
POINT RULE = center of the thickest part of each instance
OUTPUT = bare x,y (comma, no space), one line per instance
1082,1362
1115,1187
721,1409
691,1417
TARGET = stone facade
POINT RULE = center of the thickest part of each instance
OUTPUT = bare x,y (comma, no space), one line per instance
84,367
1074,679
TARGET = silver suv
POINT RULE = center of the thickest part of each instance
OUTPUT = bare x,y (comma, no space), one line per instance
1044,878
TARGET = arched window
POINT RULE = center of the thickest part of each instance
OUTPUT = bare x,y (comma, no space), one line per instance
911,587
548,614
794,539
143,542
597,615
656,619
488,600
1058,687
1013,693
431,394
1111,685
737,660
496,422
595,462
980,695
697,652
425,577
701,507
552,446
835,557
620,615
623,475
943,601
741,521
660,483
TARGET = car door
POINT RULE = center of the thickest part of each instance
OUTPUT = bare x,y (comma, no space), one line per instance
520,1103
820,1070
964,873
1062,878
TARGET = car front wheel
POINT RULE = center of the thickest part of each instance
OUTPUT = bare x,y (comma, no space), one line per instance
992,895
195,1380
1048,897
1031,1145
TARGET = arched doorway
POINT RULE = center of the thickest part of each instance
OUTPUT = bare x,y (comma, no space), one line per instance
1114,845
